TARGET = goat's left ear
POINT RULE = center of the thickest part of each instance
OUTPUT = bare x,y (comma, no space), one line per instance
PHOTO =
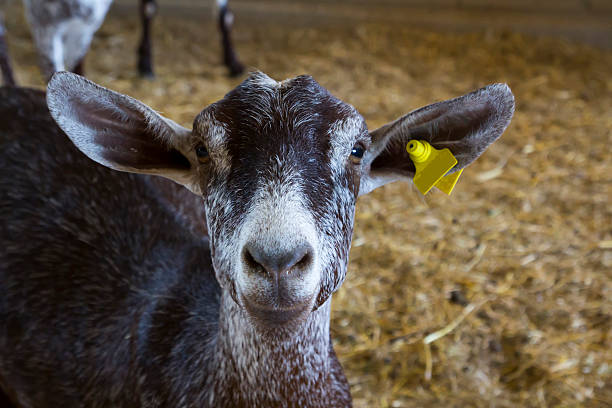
466,125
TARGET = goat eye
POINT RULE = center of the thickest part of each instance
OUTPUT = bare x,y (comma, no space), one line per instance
202,153
357,154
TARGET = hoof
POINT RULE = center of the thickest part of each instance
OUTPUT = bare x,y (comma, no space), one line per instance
146,74
235,69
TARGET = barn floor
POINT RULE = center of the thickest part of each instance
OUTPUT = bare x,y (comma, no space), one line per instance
518,261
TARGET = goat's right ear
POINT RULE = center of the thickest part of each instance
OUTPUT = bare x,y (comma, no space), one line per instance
120,132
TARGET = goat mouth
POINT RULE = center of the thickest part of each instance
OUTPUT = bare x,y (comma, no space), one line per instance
276,316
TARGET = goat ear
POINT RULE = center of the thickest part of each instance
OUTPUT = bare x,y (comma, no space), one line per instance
120,132
466,125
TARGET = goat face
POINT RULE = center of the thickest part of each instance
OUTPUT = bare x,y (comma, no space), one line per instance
280,166
280,173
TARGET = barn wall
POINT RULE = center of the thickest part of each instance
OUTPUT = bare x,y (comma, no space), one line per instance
588,21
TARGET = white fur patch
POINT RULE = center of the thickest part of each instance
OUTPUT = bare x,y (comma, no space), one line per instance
63,29
279,221
261,79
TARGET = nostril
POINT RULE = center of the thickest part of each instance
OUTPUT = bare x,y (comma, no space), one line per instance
304,261
298,259
251,262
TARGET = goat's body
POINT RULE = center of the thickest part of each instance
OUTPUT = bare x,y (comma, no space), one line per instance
109,298
79,293
63,30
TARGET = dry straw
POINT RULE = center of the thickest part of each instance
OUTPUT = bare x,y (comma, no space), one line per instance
498,296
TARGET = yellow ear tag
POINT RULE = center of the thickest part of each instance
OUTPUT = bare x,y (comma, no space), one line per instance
432,166
447,183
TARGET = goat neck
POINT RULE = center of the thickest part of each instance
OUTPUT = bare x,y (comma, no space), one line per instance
264,369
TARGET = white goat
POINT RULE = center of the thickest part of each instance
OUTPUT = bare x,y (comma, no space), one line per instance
63,31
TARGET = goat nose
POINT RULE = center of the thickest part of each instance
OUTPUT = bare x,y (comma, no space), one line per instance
275,261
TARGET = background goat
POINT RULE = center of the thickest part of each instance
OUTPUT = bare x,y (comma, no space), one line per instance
63,31
110,299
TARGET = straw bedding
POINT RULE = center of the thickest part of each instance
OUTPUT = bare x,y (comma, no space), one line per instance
514,267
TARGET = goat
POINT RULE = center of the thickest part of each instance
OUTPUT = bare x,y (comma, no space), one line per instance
114,294
63,30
